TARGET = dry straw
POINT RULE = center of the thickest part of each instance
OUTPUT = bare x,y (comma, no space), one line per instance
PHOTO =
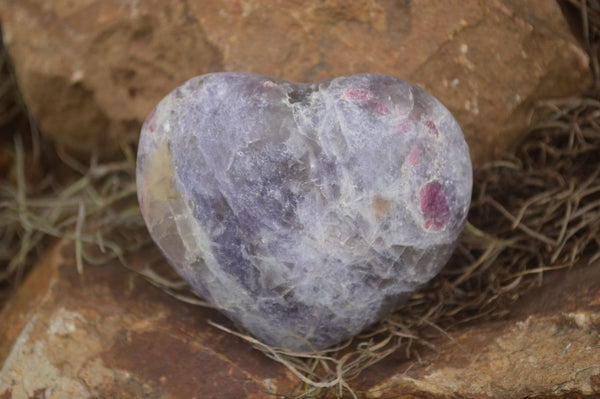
533,211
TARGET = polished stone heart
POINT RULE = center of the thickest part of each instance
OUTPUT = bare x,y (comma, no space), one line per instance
304,212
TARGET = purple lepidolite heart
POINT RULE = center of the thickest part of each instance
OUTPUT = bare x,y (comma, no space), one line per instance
304,212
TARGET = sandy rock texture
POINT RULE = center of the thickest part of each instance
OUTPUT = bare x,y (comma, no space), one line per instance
91,70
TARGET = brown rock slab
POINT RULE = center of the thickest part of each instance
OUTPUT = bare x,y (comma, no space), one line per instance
91,70
110,333
549,347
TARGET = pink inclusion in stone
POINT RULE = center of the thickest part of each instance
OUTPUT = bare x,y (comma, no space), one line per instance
359,93
414,157
382,109
431,126
434,206
405,126
150,122
401,111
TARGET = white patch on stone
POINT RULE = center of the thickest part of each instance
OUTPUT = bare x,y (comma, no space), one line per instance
64,323
27,369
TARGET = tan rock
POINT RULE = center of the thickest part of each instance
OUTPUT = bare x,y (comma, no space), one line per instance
109,333
91,70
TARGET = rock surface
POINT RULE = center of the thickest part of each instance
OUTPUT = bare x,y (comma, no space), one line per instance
303,210
91,70
548,348
109,333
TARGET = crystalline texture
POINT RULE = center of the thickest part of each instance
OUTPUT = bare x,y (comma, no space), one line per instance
304,212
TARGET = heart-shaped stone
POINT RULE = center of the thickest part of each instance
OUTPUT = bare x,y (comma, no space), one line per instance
304,212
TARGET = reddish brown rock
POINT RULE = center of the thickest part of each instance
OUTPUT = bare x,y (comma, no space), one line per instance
91,70
109,333
548,348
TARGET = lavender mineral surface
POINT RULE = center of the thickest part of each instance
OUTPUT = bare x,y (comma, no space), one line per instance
304,212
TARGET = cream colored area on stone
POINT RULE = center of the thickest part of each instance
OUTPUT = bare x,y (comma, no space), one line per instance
28,368
60,358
